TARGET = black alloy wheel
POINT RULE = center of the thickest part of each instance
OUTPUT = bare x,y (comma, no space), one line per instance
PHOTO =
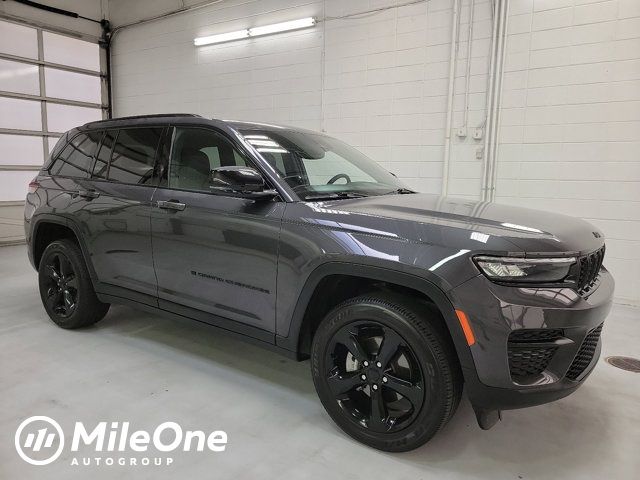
62,285
66,288
374,376
386,371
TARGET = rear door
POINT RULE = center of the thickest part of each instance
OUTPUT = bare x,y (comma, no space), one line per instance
116,218
215,254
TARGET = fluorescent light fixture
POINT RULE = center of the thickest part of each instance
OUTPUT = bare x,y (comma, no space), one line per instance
256,31
223,37
282,27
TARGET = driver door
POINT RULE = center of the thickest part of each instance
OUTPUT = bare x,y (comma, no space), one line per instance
215,255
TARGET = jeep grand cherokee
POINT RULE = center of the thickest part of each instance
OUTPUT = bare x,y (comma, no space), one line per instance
299,242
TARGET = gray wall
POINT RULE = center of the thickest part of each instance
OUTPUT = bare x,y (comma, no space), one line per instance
570,123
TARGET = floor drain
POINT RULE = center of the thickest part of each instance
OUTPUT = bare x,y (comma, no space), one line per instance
625,363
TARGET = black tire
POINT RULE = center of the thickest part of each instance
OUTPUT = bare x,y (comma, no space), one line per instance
66,289
434,377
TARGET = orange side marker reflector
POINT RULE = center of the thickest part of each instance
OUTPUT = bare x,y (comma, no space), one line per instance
466,327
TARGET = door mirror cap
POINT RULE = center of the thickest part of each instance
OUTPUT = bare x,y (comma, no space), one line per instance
246,181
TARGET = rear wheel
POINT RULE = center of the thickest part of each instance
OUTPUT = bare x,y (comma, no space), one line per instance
385,371
66,289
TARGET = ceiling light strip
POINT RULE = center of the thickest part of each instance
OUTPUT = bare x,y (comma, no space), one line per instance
256,31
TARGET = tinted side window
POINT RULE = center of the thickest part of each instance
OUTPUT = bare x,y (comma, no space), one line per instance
134,155
197,151
102,159
76,159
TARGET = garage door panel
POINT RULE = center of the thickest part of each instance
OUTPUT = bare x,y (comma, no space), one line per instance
18,40
71,51
49,83
15,185
61,118
20,114
22,150
72,86
19,77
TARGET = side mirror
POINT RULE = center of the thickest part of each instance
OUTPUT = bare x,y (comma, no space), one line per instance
245,181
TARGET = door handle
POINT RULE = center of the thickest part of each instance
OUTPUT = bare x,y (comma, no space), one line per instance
171,205
87,194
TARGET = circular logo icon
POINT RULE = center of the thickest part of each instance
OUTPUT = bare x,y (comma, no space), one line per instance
39,440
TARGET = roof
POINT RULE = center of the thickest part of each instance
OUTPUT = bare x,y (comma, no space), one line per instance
152,119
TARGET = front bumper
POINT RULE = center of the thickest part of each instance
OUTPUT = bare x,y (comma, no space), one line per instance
492,383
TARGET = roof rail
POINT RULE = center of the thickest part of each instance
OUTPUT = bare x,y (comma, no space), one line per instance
152,115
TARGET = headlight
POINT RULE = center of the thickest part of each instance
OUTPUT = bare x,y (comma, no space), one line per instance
526,270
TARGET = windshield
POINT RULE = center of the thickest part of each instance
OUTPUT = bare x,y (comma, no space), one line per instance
317,166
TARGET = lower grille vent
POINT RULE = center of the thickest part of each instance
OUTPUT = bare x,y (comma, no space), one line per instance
531,350
585,354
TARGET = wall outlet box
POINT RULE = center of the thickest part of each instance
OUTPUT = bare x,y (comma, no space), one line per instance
477,134
462,132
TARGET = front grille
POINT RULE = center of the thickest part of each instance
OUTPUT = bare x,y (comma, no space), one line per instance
585,353
530,351
589,271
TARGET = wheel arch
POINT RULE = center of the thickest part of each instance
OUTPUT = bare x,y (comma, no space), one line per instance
304,320
48,228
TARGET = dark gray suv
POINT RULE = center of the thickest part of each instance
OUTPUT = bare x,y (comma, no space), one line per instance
299,242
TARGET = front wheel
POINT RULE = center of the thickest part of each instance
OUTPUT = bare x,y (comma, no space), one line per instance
66,289
385,371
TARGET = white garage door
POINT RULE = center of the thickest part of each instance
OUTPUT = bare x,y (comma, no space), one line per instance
49,83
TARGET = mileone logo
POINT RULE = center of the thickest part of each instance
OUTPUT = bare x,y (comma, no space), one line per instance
40,440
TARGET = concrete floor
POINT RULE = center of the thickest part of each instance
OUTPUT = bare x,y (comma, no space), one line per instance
11,224
146,370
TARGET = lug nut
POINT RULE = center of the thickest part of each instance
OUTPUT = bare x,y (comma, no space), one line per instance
384,380
363,376
375,387
378,364
365,363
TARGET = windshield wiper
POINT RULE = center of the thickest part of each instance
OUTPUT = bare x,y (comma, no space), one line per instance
333,196
400,191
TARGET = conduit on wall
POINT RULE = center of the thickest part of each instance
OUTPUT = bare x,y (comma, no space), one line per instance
455,22
494,98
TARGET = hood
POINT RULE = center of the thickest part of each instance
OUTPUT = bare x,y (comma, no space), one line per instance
455,221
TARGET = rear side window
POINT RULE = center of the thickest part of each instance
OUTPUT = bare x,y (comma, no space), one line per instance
102,159
76,159
134,155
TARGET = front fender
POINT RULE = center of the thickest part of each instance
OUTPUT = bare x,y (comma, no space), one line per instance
405,279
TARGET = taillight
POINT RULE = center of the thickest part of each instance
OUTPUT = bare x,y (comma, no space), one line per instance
33,186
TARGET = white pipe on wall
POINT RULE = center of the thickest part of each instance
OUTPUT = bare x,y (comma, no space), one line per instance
492,70
452,78
498,103
467,78
494,105
496,77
